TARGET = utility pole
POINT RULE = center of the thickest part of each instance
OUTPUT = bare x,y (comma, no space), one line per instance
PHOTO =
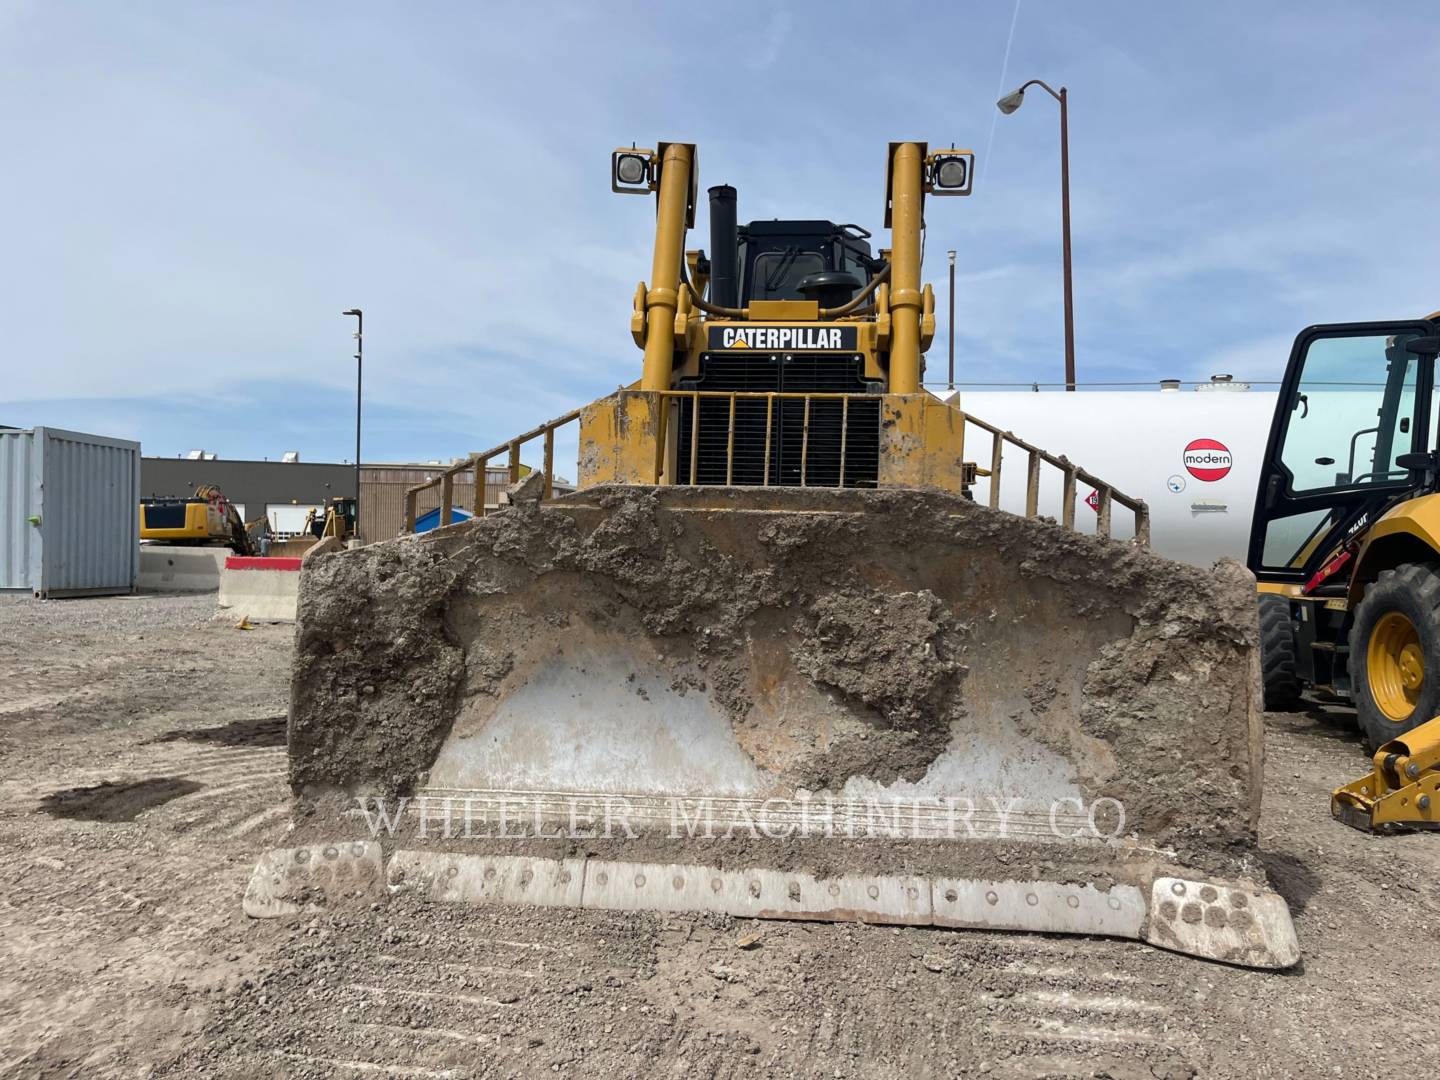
1065,226
359,372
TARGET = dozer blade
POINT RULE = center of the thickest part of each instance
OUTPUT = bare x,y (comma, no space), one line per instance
894,706
1402,791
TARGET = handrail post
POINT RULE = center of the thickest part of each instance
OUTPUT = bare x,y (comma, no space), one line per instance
447,496
549,463
997,454
1142,524
1032,486
410,496
482,486
514,461
1102,511
1067,512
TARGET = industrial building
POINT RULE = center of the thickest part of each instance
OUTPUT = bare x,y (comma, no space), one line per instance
283,492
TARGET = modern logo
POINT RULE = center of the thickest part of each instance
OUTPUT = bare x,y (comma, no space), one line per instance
1207,459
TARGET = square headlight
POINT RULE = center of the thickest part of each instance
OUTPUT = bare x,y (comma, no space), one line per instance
630,171
951,172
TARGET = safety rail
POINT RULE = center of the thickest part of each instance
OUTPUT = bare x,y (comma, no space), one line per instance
445,479
1105,494
807,440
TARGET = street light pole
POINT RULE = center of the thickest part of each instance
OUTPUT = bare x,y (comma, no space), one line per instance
951,255
359,373
1007,105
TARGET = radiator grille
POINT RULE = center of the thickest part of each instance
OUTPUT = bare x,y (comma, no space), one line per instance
795,458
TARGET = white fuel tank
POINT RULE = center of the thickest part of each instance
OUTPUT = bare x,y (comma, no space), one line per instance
1193,456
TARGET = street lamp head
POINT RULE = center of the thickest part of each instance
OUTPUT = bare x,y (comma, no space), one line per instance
352,311
1011,101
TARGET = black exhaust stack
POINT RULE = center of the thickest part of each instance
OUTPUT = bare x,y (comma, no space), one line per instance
724,248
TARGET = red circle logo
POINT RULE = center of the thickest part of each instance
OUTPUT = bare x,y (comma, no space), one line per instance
1207,459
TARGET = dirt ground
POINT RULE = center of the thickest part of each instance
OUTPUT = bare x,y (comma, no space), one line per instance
144,771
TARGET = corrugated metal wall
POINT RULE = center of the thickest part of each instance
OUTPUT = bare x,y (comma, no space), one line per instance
85,492
382,496
19,542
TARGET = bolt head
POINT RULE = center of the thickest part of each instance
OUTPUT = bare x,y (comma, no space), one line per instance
1412,770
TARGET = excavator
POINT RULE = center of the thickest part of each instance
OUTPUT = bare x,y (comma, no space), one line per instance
780,655
205,517
1345,548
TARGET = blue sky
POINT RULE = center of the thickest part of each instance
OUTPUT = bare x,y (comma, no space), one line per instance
193,193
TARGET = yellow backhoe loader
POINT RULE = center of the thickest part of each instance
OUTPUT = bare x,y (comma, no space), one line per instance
781,655
1346,549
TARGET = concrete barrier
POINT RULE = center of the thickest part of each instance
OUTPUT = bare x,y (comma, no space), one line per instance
265,589
177,568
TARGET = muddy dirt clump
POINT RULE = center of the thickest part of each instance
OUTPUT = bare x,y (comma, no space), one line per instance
755,643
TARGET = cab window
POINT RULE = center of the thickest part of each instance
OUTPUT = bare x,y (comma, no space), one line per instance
776,275
1351,413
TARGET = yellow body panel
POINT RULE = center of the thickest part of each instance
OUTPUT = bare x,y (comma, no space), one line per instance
1417,519
778,310
922,443
202,522
1278,588
618,436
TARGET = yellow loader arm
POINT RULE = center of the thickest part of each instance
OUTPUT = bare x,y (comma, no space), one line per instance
1402,791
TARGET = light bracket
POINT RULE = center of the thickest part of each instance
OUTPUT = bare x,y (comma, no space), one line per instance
633,171
950,172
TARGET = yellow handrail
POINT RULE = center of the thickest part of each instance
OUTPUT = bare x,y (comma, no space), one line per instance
1106,495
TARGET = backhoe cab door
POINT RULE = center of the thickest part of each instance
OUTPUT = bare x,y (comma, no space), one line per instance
1353,400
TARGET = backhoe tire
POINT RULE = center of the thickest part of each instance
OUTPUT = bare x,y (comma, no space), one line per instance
1395,652
1277,655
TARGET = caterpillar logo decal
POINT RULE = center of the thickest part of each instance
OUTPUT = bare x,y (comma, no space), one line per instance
784,338
1207,459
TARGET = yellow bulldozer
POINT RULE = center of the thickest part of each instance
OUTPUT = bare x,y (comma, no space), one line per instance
781,655
1346,549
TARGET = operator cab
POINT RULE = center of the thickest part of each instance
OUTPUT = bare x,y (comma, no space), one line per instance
804,260
1351,438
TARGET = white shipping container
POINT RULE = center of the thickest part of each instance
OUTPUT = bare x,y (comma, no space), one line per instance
1193,456
69,513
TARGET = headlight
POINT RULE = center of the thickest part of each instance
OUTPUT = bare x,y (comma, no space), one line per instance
630,168
951,172
630,171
